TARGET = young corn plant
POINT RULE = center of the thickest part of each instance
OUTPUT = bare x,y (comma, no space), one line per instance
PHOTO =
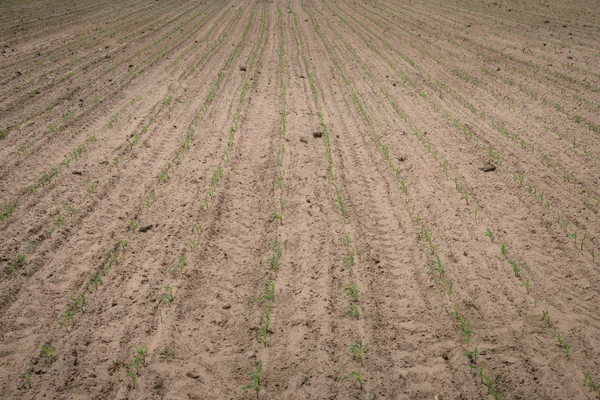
354,311
66,319
516,268
503,250
355,376
352,291
546,318
131,372
358,350
349,261
25,378
78,302
563,344
473,355
489,234
526,285
254,377
166,298
48,353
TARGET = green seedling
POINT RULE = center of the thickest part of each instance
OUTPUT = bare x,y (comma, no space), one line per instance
516,268
352,291
526,285
449,289
79,302
466,197
194,244
131,372
48,232
92,187
593,254
358,350
356,376
278,217
563,344
21,259
275,260
475,213
133,225
254,376
546,317
503,250
25,378
582,240
95,281
48,353
473,355
196,228
349,261
354,311
167,354
519,178
167,101
466,331
66,319
181,263
167,296
489,234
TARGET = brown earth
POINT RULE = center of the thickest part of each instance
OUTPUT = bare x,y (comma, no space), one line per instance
207,183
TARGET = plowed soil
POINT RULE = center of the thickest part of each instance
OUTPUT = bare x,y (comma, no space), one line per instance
196,193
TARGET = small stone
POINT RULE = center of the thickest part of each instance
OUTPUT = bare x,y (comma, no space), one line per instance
192,374
251,355
226,306
303,140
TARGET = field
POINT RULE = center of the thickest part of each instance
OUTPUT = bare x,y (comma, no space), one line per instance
299,199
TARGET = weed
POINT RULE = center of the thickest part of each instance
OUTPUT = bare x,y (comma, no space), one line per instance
254,376
167,354
356,376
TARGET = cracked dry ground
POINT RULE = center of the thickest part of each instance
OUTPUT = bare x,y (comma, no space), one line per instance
299,199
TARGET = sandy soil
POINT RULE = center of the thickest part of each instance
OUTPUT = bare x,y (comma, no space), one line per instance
339,199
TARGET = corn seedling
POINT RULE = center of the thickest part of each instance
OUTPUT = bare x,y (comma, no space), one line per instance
181,263
66,319
473,355
352,291
563,344
48,353
349,261
254,376
131,372
167,296
92,187
546,317
196,228
167,101
466,331
354,311
503,250
95,280
475,213
489,234
355,376
449,289
526,285
25,378
194,244
358,350
275,260
516,268
79,302
466,197
167,354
